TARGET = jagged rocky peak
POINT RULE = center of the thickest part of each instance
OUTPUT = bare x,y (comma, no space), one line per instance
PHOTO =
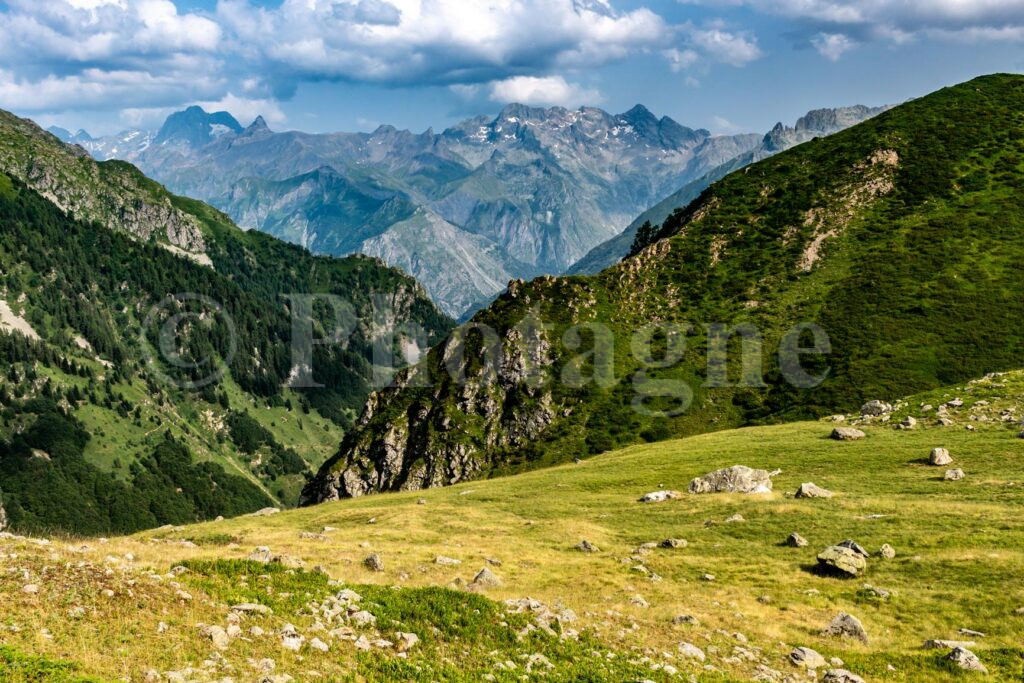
195,127
818,122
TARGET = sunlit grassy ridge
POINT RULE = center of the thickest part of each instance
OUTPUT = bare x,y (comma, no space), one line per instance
959,547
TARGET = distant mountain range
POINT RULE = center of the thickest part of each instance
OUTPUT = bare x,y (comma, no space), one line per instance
529,192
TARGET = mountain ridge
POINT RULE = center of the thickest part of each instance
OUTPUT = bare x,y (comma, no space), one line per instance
901,206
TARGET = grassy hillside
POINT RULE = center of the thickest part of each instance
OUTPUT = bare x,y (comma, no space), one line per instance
956,545
84,303
900,238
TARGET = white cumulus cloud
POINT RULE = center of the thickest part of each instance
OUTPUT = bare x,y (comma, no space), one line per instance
542,91
833,46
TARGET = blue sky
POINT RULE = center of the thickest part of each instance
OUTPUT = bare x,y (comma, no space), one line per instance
323,65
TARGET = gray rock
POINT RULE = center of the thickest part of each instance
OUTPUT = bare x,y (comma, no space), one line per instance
939,644
940,457
846,626
945,422
446,561
841,676
218,636
265,512
251,608
674,543
875,409
660,496
967,660
843,560
735,479
691,651
374,563
587,547
807,658
485,578
686,619
812,490
907,423
887,551
954,475
795,540
261,554
847,434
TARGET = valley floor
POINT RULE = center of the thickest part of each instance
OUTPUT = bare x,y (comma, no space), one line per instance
119,608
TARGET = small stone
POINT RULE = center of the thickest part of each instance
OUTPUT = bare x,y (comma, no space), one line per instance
887,551
847,434
485,578
940,457
691,651
262,554
251,608
406,641
585,546
374,563
846,626
674,543
685,619
638,601
319,645
841,676
735,519
795,540
707,577
954,475
31,589
939,644
446,561
807,658
907,423
265,512
970,632
967,660
660,496
812,490
218,636
291,639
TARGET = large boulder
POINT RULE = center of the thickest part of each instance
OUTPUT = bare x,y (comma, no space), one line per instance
847,434
841,559
735,479
875,409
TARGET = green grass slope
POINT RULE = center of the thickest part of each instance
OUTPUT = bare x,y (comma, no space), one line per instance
958,546
900,238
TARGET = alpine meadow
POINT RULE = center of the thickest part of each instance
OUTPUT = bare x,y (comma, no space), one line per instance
726,387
